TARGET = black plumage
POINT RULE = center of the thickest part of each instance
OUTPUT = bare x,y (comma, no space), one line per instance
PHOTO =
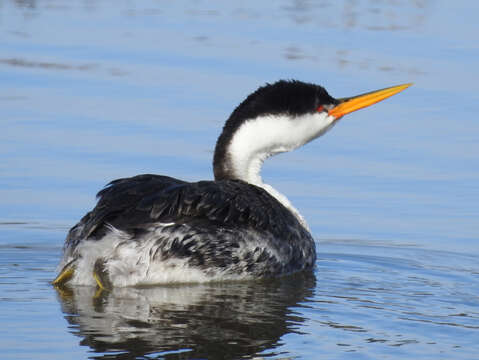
293,98
149,225
152,229
206,222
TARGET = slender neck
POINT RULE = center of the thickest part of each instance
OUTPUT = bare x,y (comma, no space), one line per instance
240,154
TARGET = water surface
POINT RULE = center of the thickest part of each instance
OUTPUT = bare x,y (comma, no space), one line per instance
95,90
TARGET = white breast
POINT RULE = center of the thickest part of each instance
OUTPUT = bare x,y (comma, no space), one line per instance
264,136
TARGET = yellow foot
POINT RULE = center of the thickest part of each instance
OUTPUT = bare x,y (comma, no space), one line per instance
100,274
65,275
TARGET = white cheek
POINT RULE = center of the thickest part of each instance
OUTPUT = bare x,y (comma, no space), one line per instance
259,138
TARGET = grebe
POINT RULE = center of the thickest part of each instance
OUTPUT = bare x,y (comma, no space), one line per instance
153,229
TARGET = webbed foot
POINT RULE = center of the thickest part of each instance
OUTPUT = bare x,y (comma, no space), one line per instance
101,276
65,275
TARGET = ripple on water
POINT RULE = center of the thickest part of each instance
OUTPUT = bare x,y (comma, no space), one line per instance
397,297
374,301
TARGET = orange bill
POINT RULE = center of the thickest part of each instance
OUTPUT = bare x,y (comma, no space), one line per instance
348,105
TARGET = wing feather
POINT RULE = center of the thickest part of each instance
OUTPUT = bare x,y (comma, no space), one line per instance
134,204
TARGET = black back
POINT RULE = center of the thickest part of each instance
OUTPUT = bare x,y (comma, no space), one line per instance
135,204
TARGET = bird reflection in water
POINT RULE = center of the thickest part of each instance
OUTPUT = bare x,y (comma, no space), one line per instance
212,320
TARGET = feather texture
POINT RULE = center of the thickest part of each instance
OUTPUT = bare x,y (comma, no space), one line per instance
223,229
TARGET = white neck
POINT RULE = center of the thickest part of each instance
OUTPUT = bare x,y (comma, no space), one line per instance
259,138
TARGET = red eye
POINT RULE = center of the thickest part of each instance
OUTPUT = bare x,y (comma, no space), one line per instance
320,108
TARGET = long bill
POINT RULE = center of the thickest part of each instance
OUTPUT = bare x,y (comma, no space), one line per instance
350,104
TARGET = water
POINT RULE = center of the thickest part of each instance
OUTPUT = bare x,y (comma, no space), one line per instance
95,90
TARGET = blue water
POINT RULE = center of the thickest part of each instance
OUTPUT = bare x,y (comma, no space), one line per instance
95,90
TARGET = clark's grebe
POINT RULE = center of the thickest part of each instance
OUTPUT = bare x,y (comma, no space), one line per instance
152,229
